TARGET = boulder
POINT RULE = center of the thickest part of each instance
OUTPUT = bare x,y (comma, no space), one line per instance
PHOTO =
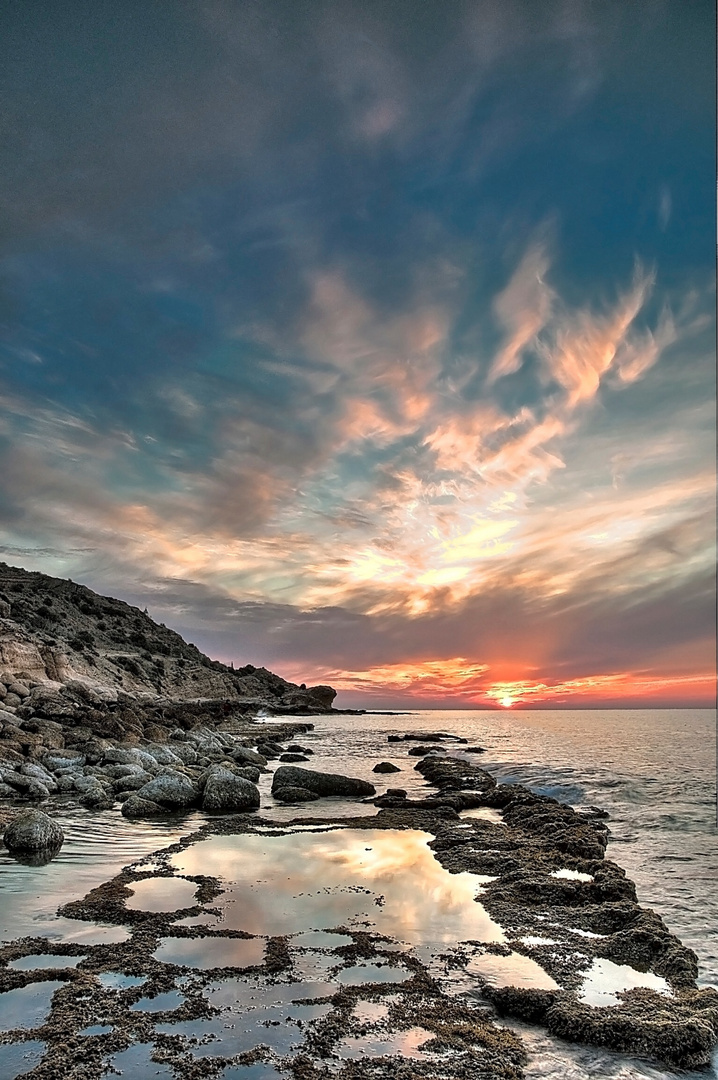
396,792
293,757
172,790
163,755
295,748
320,783
250,757
295,794
32,830
224,791
63,759
248,773
136,807
386,766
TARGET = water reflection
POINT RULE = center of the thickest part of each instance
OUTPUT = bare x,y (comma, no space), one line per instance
512,970
604,980
26,1007
162,894
384,880
406,1044
206,952
16,1059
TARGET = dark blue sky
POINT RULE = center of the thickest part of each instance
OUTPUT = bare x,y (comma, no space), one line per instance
329,330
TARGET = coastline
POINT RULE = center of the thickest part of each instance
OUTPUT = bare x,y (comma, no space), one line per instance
536,838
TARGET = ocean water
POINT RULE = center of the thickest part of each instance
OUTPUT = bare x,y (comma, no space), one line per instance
653,770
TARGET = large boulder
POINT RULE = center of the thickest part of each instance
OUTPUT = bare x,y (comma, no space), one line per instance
172,790
321,783
225,792
32,830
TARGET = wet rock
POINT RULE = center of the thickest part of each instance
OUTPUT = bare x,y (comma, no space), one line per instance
395,793
295,794
426,736
174,791
321,783
248,773
270,750
295,748
293,757
33,830
386,767
682,1032
224,791
136,807
243,755
474,750
63,759
420,751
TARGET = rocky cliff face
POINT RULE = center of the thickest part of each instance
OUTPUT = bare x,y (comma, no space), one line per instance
54,631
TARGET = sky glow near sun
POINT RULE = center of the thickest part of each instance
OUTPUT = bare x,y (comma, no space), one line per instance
380,358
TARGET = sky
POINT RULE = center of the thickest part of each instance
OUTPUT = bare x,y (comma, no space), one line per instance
373,342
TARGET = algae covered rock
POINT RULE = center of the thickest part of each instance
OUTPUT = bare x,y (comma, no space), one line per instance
33,830
295,794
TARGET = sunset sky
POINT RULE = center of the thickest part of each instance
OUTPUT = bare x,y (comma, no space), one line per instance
372,341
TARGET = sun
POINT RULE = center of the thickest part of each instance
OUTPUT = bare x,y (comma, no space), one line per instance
507,702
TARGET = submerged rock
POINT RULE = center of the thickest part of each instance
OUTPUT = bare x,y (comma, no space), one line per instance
295,794
321,783
33,830
386,766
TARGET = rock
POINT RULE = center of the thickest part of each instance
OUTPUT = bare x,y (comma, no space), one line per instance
323,695
248,773
174,791
8,718
63,759
12,700
396,792
251,757
186,753
19,689
295,748
224,791
321,783
293,757
295,794
32,830
136,807
421,751
474,750
97,798
386,766
270,750
163,755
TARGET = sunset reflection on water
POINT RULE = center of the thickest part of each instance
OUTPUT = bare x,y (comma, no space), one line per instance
383,880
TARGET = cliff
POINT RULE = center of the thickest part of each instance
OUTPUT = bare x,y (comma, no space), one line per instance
58,632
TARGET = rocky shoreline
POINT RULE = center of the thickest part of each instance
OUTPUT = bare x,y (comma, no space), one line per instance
563,907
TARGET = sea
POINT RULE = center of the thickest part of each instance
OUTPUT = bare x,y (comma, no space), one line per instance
654,771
